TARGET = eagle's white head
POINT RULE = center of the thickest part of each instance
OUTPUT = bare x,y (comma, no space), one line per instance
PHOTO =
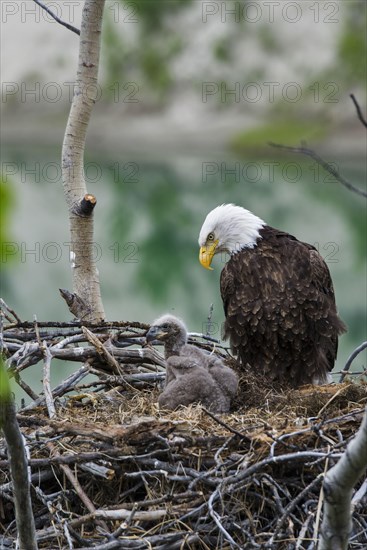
228,228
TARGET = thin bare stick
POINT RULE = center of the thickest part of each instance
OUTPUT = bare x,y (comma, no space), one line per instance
325,165
27,389
54,16
46,381
359,110
217,519
102,351
209,320
350,360
61,388
288,510
75,483
5,306
229,428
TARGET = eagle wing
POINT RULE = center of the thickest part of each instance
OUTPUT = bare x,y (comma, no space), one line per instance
280,309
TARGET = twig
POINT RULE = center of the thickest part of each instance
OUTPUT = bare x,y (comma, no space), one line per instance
102,351
351,358
123,514
54,16
362,491
217,519
75,483
25,387
5,306
234,482
290,507
340,390
46,381
61,388
209,319
359,110
302,533
205,337
325,165
229,428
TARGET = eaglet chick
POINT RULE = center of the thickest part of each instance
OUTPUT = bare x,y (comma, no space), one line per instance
192,375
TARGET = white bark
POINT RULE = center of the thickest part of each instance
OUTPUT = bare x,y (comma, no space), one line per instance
85,274
338,488
19,475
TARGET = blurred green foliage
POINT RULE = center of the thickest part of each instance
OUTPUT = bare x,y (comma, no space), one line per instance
353,45
5,392
287,132
223,49
7,200
152,14
147,53
148,56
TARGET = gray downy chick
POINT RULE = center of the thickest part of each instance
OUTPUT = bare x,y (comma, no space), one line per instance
200,376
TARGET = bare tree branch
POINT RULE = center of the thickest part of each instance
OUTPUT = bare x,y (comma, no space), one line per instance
325,165
86,285
338,488
54,16
359,110
350,360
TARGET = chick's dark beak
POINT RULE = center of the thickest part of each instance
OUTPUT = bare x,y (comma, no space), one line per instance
152,334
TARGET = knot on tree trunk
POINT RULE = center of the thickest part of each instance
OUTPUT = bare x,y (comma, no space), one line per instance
85,206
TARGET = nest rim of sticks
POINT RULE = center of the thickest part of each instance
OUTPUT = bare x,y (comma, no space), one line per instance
111,470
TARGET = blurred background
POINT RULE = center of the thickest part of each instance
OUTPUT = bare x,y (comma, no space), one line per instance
190,95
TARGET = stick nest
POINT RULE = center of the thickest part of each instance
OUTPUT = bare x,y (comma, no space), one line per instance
110,470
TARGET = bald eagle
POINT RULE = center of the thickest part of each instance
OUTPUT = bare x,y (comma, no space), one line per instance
192,375
278,297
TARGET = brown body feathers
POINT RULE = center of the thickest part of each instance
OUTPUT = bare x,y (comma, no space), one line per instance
280,309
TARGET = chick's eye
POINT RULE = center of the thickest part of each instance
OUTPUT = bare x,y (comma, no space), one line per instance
211,237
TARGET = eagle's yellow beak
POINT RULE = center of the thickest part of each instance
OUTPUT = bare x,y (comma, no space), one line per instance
206,254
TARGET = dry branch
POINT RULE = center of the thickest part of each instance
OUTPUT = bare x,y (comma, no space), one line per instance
359,110
303,150
350,360
330,168
57,19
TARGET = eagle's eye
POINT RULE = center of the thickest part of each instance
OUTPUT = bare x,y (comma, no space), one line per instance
165,326
210,237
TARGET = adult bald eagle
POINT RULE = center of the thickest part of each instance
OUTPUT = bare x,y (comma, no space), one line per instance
278,297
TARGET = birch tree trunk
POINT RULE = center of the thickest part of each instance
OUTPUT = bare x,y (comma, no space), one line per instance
86,302
338,488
